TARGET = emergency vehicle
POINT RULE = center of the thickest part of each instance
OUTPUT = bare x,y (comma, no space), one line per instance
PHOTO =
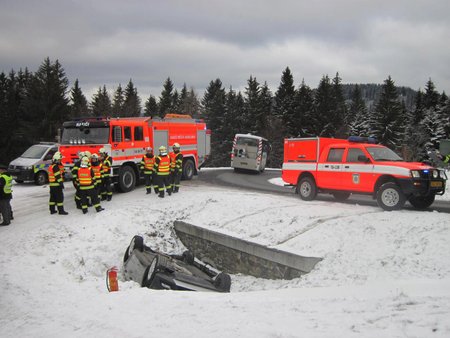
249,152
126,140
359,165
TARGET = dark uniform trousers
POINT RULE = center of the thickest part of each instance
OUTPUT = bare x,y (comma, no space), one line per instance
56,198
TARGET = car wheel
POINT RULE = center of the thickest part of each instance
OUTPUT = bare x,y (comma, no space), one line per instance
40,178
127,178
137,242
422,202
188,170
390,197
149,273
307,189
188,257
341,196
223,282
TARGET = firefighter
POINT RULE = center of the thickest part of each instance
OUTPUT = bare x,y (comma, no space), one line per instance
76,166
444,158
86,180
106,175
56,183
162,170
96,166
147,167
5,196
176,166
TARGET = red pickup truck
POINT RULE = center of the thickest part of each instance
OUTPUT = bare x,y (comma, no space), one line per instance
359,165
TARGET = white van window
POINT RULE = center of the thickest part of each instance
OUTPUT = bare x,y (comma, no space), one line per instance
35,151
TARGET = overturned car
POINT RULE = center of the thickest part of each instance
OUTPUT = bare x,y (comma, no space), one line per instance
156,270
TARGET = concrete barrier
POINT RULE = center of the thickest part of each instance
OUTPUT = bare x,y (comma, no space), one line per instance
234,255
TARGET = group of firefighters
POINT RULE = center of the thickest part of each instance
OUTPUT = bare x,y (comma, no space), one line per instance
91,176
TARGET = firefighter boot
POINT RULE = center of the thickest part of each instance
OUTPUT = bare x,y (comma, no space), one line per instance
99,208
149,191
52,210
175,189
109,198
61,211
161,194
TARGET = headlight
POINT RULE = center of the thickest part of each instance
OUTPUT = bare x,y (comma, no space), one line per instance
435,174
29,168
415,173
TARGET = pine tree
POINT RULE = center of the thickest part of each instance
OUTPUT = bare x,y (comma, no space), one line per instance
79,106
323,108
338,109
262,123
285,102
214,110
387,119
101,103
252,106
46,102
118,102
151,107
166,100
304,116
189,103
357,117
132,102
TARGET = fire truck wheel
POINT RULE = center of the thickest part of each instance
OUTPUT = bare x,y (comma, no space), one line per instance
307,189
421,202
188,170
127,179
341,196
40,178
390,197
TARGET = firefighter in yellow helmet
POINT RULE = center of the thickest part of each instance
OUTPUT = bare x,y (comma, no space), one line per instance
147,167
86,180
56,183
106,190
162,170
176,167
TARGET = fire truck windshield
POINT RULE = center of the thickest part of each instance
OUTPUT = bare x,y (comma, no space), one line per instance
85,135
383,154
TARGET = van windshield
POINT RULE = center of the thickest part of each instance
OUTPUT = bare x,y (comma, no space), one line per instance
85,135
35,151
247,141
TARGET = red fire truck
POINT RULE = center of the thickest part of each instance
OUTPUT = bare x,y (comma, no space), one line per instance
359,165
126,139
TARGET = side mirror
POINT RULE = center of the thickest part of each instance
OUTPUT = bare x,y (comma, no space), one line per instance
363,158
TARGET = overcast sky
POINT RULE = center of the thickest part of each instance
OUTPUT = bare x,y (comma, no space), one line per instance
194,42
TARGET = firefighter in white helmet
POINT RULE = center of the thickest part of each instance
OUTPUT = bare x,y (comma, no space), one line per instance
86,180
147,167
176,167
56,183
162,170
106,190
76,166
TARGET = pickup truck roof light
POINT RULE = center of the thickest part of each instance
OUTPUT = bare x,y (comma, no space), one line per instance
361,139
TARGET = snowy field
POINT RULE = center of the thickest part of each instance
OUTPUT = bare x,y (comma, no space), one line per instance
383,274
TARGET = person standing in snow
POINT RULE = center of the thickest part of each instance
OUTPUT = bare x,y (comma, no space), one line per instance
176,167
146,166
86,180
5,196
106,175
162,170
56,183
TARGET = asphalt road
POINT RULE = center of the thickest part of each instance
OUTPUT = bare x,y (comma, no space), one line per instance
260,182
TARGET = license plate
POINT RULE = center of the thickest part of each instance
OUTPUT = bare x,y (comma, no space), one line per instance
436,184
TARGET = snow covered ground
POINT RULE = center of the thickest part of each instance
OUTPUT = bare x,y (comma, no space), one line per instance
383,274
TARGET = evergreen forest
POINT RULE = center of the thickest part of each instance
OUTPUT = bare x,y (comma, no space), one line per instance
33,106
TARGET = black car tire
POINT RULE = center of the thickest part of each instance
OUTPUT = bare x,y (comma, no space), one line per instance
137,242
40,178
422,202
390,197
307,189
150,271
222,282
188,257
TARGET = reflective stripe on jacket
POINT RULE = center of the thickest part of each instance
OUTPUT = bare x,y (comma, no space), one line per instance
162,165
7,188
54,175
85,178
147,164
106,166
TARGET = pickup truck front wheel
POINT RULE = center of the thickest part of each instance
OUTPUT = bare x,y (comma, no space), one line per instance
307,189
390,197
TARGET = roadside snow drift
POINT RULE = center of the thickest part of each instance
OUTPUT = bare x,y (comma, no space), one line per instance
382,274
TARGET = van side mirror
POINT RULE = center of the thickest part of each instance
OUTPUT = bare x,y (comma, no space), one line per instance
363,158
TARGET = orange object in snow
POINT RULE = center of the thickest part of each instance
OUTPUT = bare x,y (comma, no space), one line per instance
111,280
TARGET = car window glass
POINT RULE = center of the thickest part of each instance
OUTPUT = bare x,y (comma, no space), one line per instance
117,134
127,134
138,134
353,153
50,154
335,155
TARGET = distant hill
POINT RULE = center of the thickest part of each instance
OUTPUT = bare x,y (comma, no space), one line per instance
371,93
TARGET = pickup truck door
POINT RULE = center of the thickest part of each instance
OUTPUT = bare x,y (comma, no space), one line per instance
329,171
357,171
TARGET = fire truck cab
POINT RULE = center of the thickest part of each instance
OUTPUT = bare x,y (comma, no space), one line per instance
126,140
359,165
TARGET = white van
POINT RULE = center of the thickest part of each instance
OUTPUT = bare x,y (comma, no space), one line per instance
33,164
